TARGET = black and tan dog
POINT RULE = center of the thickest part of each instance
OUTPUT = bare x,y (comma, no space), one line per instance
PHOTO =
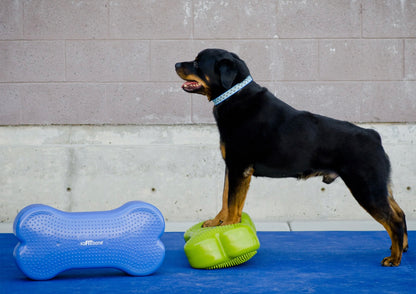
261,135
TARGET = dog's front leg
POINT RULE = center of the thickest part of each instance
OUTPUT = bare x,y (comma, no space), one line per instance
236,185
221,216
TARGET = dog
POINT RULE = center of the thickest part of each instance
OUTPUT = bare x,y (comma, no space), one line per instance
263,136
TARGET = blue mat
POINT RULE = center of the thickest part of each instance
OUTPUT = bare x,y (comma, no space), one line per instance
287,262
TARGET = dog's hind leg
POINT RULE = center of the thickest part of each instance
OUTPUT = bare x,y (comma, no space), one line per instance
395,225
374,197
400,212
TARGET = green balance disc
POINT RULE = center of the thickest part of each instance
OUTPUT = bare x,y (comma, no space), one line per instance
222,246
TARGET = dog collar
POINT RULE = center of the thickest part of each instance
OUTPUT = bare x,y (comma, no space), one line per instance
232,91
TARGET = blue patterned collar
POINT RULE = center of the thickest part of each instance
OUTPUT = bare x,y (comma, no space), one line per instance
232,91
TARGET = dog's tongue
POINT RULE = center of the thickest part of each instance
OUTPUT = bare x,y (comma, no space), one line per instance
190,86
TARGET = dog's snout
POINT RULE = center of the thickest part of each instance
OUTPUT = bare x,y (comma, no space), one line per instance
178,65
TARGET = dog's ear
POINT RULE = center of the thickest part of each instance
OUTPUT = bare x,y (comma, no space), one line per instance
228,72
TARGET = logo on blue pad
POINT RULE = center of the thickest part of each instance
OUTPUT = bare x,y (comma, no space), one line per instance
91,243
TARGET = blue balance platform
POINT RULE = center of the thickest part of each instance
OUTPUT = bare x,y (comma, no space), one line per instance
52,241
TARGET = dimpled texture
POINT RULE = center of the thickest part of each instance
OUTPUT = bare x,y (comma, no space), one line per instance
222,246
52,241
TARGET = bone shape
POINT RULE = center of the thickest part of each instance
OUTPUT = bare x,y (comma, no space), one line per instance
52,241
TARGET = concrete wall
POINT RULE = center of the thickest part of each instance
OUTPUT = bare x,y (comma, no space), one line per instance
92,114
177,168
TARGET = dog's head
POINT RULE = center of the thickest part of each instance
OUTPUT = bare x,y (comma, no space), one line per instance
213,72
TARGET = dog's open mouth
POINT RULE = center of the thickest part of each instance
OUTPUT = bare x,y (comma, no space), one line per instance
191,86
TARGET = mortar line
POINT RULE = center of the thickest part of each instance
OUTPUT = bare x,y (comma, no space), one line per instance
319,59
23,20
108,20
361,19
404,60
65,62
193,19
259,39
174,82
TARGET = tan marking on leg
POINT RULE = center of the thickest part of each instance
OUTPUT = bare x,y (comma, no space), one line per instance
400,216
390,223
235,208
222,147
396,253
232,207
223,214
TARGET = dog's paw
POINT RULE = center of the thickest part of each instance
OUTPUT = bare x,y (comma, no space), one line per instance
212,223
390,261
218,222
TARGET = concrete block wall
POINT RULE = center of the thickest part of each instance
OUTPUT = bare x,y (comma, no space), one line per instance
106,68
111,62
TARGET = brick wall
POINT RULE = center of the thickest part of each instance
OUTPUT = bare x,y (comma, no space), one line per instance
112,62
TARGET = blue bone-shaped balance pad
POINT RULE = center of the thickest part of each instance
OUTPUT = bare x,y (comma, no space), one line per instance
52,241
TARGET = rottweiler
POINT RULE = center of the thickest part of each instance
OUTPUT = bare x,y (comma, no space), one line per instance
263,136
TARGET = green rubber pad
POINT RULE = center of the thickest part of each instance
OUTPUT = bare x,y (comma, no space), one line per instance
222,246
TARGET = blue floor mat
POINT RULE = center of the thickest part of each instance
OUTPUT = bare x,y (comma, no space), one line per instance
287,262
